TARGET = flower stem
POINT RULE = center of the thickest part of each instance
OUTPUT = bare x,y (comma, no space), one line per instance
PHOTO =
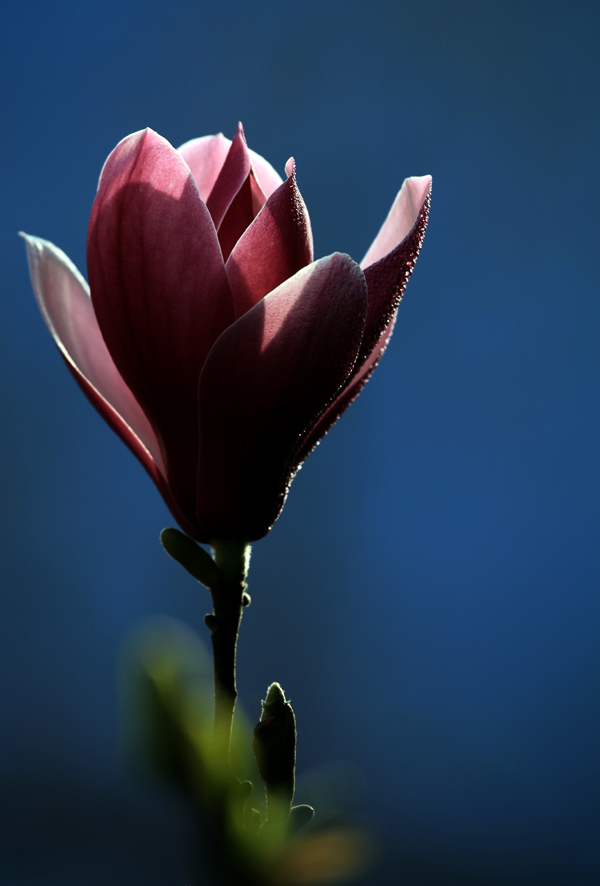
229,598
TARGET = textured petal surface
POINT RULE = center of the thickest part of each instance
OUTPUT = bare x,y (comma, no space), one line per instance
205,156
265,382
160,291
386,281
276,245
388,276
400,219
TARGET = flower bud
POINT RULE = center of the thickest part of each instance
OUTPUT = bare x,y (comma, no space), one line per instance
275,749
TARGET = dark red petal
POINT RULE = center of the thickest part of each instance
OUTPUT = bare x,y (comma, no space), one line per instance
276,245
264,384
236,197
248,201
386,281
232,176
159,290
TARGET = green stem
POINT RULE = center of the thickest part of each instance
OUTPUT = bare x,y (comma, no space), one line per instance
229,598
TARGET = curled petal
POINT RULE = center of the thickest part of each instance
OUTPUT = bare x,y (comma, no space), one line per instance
387,277
205,156
64,301
276,245
160,291
386,281
401,217
264,384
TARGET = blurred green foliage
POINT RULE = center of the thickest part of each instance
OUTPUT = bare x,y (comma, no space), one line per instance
166,691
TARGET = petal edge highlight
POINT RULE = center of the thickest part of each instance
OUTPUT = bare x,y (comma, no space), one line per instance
400,219
160,291
64,302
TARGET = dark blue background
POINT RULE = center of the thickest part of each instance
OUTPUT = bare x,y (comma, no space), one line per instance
430,596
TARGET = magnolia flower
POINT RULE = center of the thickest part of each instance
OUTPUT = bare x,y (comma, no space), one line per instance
209,339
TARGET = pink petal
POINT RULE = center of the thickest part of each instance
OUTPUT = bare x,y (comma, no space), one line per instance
205,156
267,177
387,277
400,219
159,290
276,245
265,382
64,302
386,281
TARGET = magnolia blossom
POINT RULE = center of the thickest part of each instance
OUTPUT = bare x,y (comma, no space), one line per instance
209,338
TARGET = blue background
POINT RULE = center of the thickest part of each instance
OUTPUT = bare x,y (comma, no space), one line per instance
429,597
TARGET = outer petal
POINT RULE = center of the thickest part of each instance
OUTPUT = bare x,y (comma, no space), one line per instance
401,217
386,281
63,298
64,302
387,277
205,156
159,291
276,245
265,382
